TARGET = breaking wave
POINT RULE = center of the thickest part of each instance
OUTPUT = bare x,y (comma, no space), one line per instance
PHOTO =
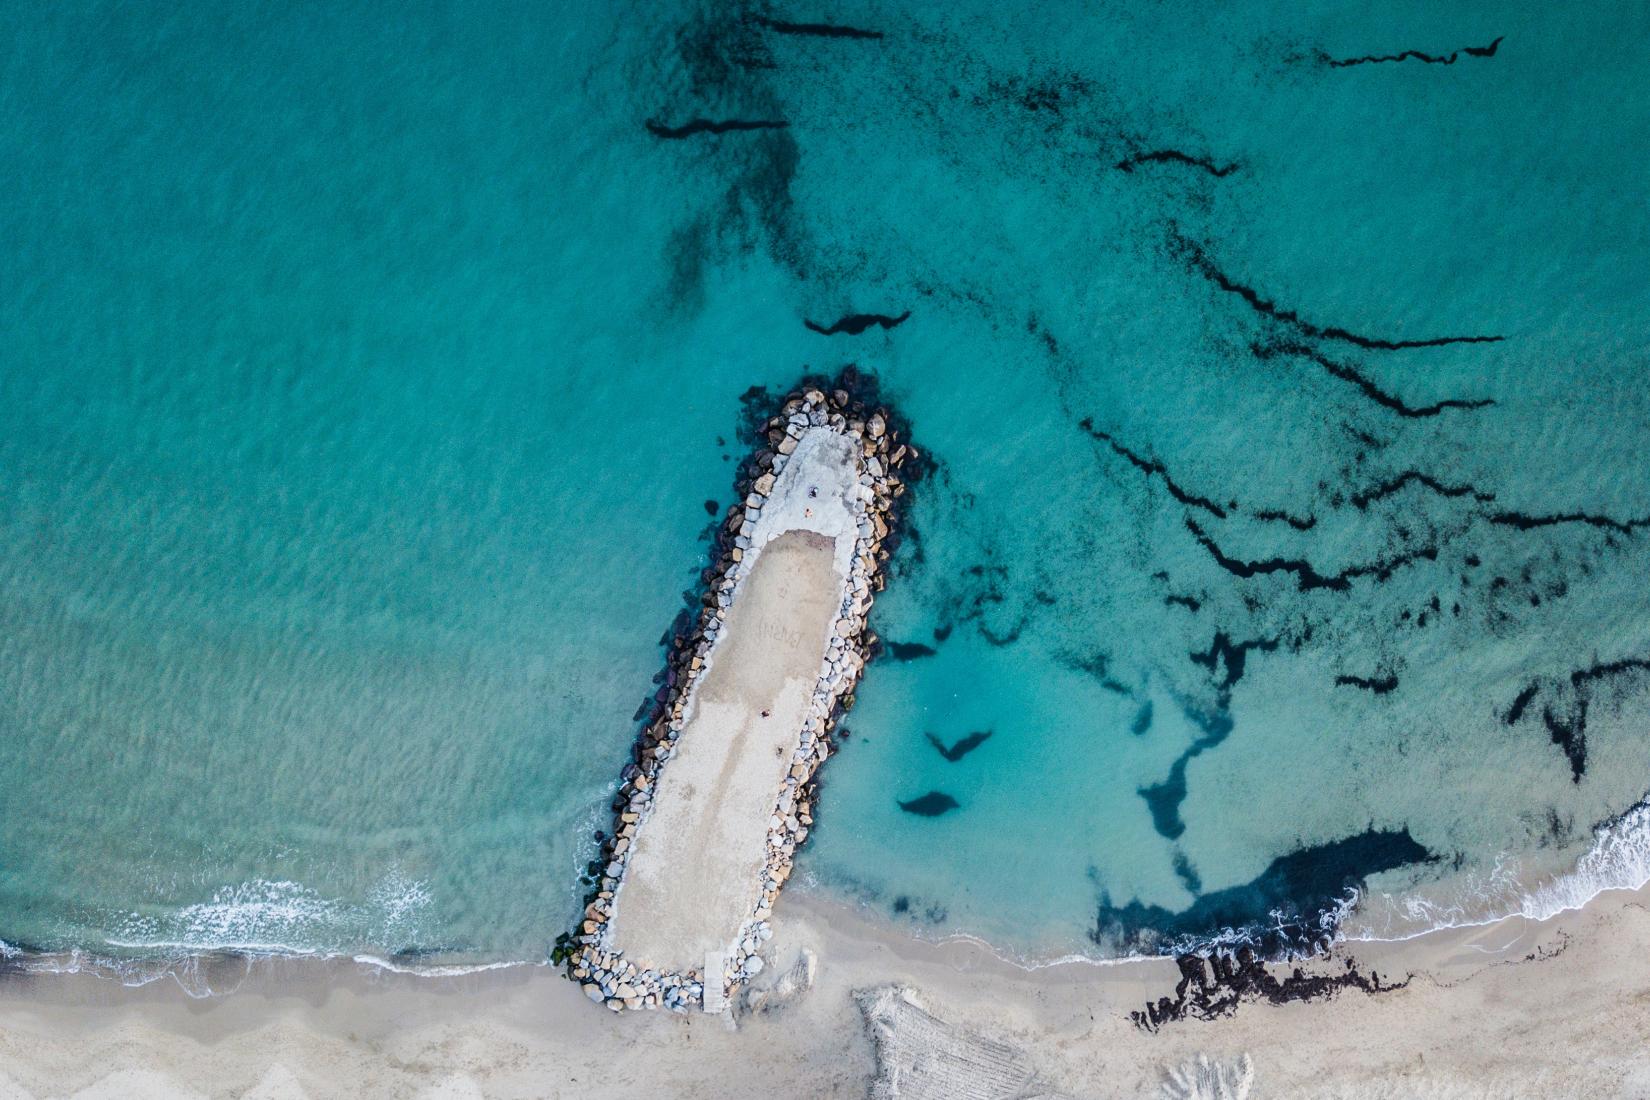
264,916
1618,859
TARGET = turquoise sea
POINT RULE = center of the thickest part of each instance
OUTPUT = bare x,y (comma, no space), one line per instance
369,374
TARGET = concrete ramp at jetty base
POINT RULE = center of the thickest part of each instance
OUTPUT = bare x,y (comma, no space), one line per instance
694,875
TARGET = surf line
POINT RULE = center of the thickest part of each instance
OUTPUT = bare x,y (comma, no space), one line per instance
753,690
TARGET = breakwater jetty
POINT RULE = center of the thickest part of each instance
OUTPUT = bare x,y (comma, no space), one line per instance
722,786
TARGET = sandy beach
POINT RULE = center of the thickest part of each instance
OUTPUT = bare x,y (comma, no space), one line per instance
1551,1009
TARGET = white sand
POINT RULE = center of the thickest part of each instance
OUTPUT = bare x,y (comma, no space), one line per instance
1477,1021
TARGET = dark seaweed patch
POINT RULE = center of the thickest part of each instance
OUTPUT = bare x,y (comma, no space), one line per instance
1287,907
1379,685
756,204
1098,666
1565,714
962,748
711,126
1142,719
1050,94
1524,522
1362,500
1275,515
1187,874
1163,799
932,804
1233,656
1306,577
1152,468
856,323
1190,603
1412,55
1368,388
816,30
1175,156
1520,702
985,605
1569,733
1199,263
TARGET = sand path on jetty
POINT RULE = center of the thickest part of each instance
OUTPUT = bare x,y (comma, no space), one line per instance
693,878
694,875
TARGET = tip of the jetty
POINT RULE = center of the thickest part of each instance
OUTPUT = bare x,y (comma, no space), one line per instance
701,847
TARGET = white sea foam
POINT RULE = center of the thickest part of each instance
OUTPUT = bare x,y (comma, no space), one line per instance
260,915
439,970
280,917
1618,859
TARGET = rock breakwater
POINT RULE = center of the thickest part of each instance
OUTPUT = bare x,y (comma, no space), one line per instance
848,470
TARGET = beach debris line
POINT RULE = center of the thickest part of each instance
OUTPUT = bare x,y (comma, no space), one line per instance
1214,986
848,407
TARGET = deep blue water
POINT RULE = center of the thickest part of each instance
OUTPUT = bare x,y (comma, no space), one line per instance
364,375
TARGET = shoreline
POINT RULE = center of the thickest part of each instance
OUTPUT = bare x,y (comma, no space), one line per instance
816,514
327,1026
1574,891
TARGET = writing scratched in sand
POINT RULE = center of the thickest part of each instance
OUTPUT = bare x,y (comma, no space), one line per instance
778,634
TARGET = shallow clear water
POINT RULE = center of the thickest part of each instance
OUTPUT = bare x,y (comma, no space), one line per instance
363,379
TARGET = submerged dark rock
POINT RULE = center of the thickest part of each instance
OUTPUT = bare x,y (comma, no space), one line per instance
932,804
962,748
856,323
909,651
